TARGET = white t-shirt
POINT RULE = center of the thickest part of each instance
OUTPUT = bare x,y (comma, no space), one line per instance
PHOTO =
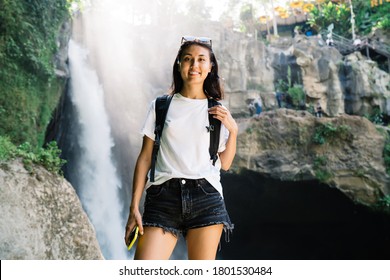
185,141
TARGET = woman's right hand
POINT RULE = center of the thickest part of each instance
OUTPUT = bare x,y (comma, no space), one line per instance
142,167
134,220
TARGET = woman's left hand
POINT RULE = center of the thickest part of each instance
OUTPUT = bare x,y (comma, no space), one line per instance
221,113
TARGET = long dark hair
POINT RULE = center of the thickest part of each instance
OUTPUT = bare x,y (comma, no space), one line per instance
211,86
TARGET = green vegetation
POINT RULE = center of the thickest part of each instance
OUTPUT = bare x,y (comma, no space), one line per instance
386,154
28,33
327,13
7,149
320,168
47,157
29,90
367,18
327,132
297,95
383,205
295,92
281,86
375,117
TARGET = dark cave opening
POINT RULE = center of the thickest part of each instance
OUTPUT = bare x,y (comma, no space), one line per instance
299,221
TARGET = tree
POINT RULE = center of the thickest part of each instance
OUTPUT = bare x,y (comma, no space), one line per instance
247,18
269,9
326,14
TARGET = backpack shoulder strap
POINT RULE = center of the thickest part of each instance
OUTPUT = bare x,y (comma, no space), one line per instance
214,129
161,109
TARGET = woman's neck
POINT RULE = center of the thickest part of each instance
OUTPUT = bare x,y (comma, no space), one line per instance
193,92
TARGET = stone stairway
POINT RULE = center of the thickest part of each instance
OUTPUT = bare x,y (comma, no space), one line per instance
347,46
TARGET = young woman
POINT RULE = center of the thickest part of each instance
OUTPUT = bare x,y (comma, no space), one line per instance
186,196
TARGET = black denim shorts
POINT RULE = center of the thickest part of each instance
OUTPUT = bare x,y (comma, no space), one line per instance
178,205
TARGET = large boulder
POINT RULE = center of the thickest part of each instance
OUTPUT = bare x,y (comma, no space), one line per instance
345,152
42,217
366,86
245,64
320,73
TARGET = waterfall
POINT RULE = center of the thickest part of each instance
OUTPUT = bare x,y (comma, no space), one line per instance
98,183
131,46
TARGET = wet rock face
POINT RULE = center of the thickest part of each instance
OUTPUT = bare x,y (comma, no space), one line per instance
42,217
285,144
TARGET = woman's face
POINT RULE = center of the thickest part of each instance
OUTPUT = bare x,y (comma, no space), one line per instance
195,64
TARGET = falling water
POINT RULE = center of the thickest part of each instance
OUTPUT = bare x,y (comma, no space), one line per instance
131,47
98,181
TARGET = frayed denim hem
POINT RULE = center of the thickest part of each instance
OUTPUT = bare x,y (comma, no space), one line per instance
227,228
165,229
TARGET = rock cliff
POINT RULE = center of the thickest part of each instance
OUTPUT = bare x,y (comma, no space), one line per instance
285,144
42,217
352,84
345,152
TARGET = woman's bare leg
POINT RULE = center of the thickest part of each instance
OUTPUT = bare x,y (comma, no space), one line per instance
202,243
154,244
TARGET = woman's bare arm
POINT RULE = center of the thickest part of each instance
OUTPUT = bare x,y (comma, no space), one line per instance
140,174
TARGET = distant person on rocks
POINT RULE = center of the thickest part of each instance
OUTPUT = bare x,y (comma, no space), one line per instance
302,105
296,31
252,108
318,110
329,36
329,40
279,98
357,43
288,101
259,106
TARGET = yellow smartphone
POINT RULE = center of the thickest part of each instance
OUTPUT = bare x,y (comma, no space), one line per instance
133,237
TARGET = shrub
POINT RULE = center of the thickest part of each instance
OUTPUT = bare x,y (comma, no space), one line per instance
297,95
383,205
327,13
7,149
328,132
281,86
376,116
320,169
29,90
48,157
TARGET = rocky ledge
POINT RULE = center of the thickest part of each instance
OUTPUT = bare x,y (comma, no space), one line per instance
345,152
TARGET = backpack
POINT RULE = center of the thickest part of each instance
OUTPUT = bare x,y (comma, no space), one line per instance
161,108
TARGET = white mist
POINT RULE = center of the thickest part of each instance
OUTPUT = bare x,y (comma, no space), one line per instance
132,46
98,180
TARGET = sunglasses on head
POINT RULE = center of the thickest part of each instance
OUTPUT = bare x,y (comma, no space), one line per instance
202,40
